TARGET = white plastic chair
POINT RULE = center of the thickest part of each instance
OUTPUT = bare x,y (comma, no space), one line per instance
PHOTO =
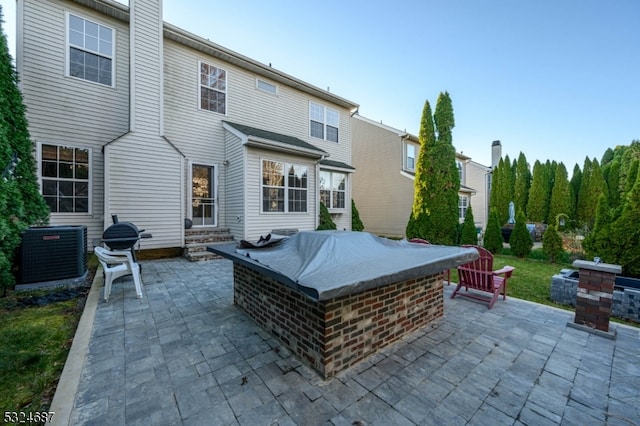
117,264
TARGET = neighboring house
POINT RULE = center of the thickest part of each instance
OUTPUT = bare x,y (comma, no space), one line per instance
386,159
136,117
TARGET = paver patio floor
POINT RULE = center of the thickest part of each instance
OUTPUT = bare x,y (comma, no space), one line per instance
185,355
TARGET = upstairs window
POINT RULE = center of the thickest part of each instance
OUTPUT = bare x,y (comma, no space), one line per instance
460,171
324,122
266,86
65,178
213,88
410,159
333,189
90,50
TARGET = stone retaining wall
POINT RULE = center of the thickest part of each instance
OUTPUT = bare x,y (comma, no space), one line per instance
626,303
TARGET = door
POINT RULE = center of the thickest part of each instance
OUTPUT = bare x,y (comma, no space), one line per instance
204,209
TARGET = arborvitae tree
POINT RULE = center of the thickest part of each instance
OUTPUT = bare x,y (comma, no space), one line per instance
520,240
535,206
522,183
607,157
576,179
582,214
560,195
549,175
356,223
596,243
418,224
469,235
552,244
434,215
626,233
502,189
631,176
627,154
611,174
597,187
326,222
21,203
493,240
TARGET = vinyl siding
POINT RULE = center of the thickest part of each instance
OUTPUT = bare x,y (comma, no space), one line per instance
476,175
382,194
62,110
234,199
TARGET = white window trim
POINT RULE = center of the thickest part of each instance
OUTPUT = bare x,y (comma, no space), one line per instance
405,156
286,187
324,121
265,82
465,206
346,187
89,211
67,71
226,89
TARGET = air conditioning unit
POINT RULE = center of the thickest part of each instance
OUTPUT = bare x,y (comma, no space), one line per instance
52,253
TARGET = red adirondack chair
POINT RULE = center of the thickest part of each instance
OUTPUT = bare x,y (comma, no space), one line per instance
479,276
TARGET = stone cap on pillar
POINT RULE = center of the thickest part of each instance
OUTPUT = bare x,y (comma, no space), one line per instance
598,266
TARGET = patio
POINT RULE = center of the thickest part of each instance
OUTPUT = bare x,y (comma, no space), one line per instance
184,354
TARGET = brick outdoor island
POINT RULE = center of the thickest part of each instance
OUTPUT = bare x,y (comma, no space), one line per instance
369,292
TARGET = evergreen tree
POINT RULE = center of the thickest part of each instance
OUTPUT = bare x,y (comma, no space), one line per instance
583,193
576,179
21,203
469,235
326,222
522,183
596,243
502,187
611,174
552,244
356,223
493,240
434,215
560,195
520,240
597,187
535,206
607,157
549,176
626,232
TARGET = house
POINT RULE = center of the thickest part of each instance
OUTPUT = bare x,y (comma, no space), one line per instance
386,160
132,116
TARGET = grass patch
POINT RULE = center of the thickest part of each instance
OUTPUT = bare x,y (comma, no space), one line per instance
35,341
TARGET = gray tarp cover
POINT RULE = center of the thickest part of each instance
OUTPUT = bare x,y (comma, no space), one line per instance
328,264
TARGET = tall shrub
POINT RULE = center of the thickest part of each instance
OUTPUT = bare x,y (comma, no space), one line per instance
560,195
356,223
326,223
552,244
522,183
536,202
469,235
520,240
493,240
434,215
21,203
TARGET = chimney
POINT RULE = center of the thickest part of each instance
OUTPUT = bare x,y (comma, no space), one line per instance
146,40
496,153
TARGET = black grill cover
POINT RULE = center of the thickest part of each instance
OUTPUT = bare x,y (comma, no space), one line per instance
121,236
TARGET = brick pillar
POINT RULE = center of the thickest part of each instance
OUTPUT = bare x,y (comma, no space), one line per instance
595,293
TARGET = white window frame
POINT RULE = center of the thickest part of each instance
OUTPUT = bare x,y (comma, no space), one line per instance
265,86
69,45
201,86
331,189
463,205
460,168
327,117
285,187
416,150
88,181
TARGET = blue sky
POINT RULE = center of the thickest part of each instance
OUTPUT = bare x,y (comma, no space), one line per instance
554,79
